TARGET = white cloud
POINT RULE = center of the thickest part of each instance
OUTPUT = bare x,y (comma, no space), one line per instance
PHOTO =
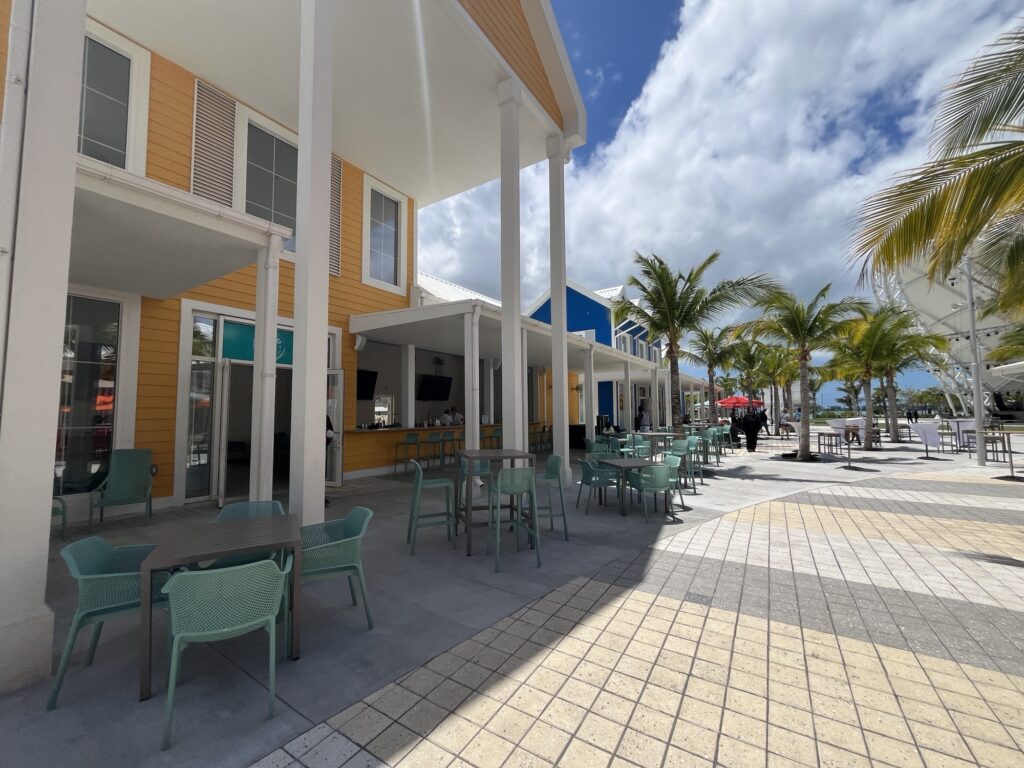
761,128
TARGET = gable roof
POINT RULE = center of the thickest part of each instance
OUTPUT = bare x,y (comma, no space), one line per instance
613,293
589,293
443,291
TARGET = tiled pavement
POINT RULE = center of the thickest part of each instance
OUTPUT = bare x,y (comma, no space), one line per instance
879,623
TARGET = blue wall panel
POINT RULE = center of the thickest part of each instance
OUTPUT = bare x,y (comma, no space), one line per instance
606,399
582,313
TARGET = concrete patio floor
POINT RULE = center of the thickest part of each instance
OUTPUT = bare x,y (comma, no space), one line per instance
430,606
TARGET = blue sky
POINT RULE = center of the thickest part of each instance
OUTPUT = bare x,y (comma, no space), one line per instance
751,128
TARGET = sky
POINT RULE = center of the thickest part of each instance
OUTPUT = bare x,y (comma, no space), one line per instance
752,128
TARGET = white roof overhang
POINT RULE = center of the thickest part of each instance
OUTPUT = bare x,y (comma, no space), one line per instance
136,235
441,328
415,81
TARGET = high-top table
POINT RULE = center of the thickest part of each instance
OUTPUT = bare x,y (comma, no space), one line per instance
201,541
491,456
623,466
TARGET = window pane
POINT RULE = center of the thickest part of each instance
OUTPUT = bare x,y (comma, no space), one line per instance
376,205
204,336
260,148
390,212
258,210
284,197
259,187
103,153
85,424
107,71
200,429
286,160
105,121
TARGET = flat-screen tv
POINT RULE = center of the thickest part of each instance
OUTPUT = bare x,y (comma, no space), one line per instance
366,384
434,387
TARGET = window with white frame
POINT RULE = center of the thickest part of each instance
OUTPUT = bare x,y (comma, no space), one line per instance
641,349
384,237
103,112
270,177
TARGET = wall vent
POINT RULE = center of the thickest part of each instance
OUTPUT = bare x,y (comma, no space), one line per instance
213,150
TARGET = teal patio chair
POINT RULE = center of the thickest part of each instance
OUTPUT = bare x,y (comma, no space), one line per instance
249,510
418,519
693,463
518,483
59,508
653,479
552,478
481,468
447,445
595,476
129,480
334,549
674,463
434,450
405,449
109,583
207,606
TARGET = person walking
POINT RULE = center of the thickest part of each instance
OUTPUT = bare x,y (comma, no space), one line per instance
751,426
764,422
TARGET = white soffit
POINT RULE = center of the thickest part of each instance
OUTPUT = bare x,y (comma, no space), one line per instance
415,98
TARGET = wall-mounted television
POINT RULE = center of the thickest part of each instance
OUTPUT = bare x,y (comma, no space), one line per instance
434,388
366,384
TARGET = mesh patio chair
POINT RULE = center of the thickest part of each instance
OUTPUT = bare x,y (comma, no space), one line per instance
653,479
334,549
518,483
552,478
128,481
418,519
207,606
248,510
109,584
405,448
59,508
595,476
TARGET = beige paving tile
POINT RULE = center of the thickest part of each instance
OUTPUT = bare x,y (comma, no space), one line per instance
453,733
737,754
580,754
426,755
601,732
842,735
346,714
530,700
486,750
884,723
695,739
640,749
941,740
701,713
546,741
563,714
792,746
830,756
423,717
652,722
393,743
479,708
747,729
365,726
892,751
993,755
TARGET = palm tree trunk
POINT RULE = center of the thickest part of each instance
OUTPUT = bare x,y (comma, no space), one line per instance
776,415
673,387
890,401
712,405
869,412
804,454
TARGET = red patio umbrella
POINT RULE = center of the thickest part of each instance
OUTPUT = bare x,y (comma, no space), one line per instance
738,401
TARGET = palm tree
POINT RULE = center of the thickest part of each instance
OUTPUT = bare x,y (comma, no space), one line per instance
746,361
805,327
712,349
969,199
728,385
778,365
905,346
672,304
849,394
1011,347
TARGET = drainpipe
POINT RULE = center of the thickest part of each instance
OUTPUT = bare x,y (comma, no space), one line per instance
11,142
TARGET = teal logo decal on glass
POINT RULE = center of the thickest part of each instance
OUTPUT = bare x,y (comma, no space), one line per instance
239,342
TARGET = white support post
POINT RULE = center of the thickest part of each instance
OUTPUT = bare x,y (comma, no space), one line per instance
628,414
512,363
313,231
264,373
666,394
407,372
524,419
489,387
471,349
589,395
655,393
42,192
559,327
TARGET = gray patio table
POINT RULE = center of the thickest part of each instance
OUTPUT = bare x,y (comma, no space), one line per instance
624,465
491,456
201,541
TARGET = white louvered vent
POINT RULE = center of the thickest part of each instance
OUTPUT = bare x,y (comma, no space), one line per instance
213,145
335,255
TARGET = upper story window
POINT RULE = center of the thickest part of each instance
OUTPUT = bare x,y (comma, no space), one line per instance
113,113
270,176
384,236
641,349
103,113
622,342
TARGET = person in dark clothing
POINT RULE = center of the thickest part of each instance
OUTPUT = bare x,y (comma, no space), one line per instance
735,428
751,425
915,415
764,422
910,416
330,439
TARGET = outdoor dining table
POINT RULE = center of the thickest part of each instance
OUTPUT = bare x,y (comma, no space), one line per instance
623,466
959,426
202,541
491,456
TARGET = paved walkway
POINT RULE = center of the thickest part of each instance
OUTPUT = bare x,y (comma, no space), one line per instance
874,623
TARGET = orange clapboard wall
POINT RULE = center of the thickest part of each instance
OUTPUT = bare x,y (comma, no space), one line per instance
504,23
169,144
5,28
574,402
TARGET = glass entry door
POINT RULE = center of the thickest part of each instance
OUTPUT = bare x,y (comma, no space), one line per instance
336,414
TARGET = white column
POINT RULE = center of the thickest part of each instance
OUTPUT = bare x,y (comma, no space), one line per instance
666,394
559,353
488,386
34,327
471,350
628,415
407,385
589,396
524,416
512,394
655,391
313,231
264,373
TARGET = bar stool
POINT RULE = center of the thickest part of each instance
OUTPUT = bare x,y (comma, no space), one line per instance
412,440
447,441
553,477
418,520
434,447
496,437
517,483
